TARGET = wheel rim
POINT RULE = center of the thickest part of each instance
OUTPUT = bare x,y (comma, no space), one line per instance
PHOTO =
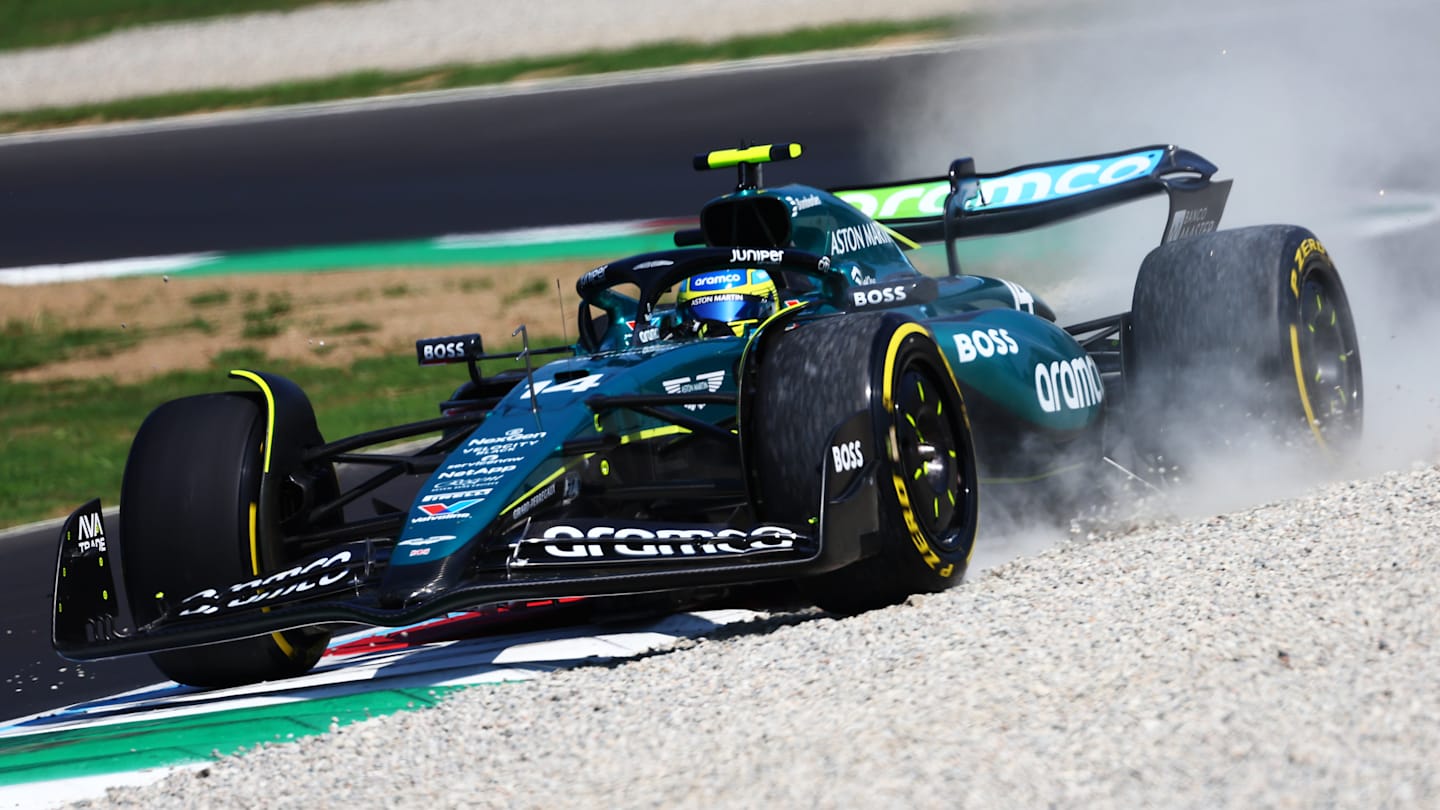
1328,361
929,459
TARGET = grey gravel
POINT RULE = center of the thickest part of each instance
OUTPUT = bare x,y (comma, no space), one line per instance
1281,656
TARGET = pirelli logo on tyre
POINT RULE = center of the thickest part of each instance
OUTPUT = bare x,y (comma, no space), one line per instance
917,535
1301,254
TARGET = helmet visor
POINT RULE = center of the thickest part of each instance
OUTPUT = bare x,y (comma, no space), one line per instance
728,307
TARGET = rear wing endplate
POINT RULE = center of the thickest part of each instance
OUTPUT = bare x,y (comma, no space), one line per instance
965,203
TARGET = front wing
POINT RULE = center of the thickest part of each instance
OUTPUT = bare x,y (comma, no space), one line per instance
545,560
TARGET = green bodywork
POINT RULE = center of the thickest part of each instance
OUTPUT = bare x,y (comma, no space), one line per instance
1013,366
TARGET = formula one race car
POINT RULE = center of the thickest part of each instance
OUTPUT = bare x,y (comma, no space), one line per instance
783,397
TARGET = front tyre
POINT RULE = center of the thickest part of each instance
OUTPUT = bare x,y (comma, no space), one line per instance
190,519
815,377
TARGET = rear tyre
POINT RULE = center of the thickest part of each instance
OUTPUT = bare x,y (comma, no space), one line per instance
1239,337
815,377
190,518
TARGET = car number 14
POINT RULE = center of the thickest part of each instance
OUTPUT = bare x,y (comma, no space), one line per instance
574,386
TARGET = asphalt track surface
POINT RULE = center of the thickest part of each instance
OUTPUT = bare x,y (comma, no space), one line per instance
612,153
468,163
560,157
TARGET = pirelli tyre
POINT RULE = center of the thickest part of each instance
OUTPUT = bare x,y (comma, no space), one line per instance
813,378
190,520
1241,340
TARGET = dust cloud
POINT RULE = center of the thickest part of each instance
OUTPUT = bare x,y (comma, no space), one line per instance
1320,111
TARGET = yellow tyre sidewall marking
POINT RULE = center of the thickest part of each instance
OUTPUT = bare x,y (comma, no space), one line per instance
1304,392
279,637
1302,254
917,536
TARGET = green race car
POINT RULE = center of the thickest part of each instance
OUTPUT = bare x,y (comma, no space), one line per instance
783,397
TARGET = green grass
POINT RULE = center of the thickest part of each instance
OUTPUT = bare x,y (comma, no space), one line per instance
265,322
530,289
32,344
379,83
66,442
198,324
209,298
36,23
355,327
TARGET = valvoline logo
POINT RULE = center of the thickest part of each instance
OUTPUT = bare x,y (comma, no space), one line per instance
447,508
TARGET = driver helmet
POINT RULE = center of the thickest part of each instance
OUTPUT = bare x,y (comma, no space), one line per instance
738,298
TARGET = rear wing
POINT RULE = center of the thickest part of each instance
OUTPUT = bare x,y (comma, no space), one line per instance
965,203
